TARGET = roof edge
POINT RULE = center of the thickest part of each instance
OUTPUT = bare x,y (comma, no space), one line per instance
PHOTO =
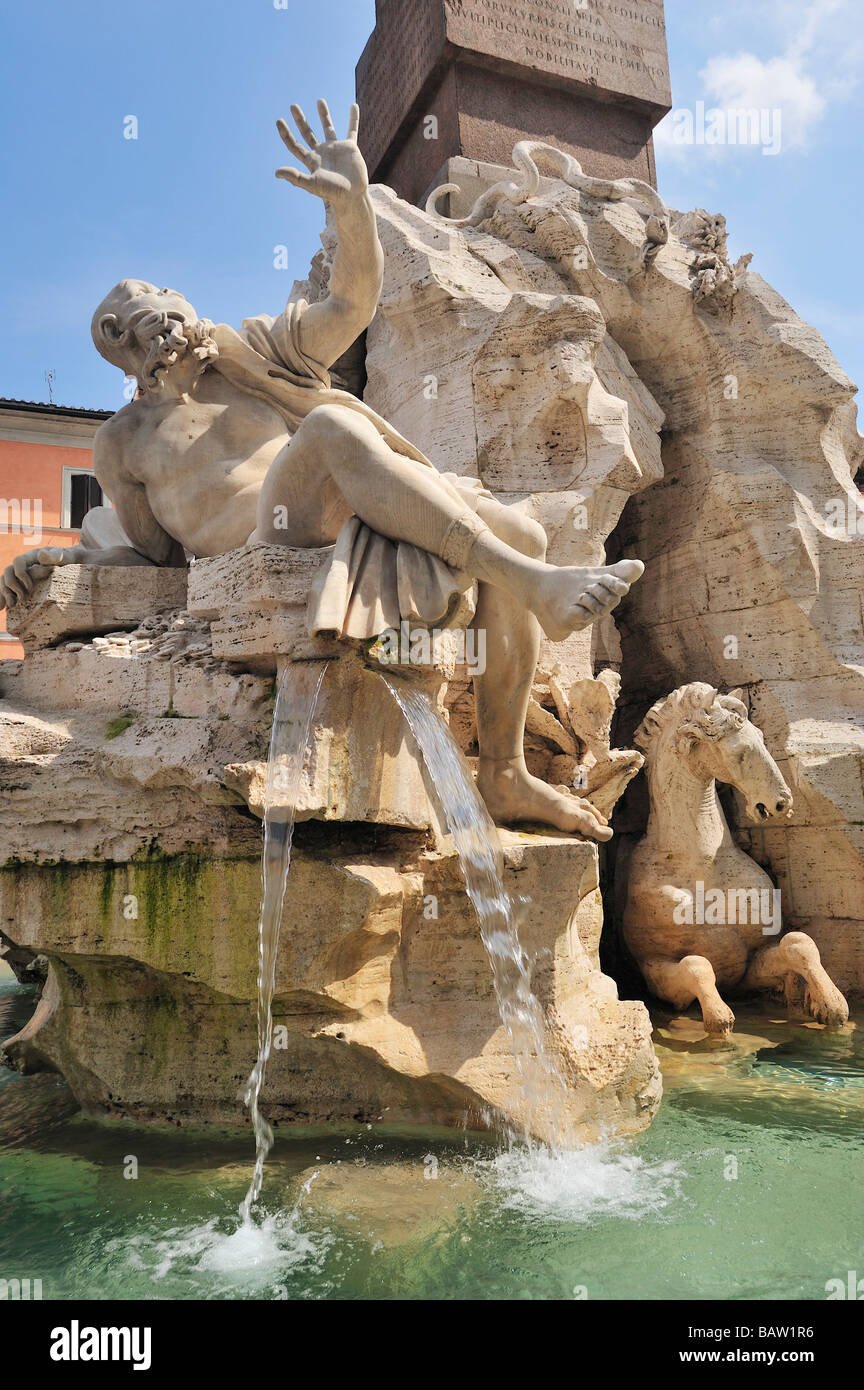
69,412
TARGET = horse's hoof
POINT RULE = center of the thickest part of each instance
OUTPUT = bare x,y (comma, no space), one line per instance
828,1008
719,1021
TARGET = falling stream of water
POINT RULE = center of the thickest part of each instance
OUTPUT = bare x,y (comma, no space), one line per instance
288,742
543,1090
543,1093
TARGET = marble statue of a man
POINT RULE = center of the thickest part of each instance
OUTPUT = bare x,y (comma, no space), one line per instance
231,430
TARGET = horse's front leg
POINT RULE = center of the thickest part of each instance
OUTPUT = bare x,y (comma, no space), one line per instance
681,981
797,954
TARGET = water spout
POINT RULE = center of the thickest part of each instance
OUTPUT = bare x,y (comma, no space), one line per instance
542,1103
288,743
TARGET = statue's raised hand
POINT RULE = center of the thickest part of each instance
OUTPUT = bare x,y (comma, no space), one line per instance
337,170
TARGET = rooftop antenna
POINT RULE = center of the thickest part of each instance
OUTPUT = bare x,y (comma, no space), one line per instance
49,377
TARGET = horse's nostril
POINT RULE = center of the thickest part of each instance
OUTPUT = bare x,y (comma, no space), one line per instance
781,805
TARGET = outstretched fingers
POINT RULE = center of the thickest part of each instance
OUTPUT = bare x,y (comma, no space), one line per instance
353,122
303,126
295,176
290,140
326,121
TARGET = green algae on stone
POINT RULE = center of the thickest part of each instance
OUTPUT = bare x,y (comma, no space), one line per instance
119,725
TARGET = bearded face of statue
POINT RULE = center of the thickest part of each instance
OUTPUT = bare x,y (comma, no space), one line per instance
146,331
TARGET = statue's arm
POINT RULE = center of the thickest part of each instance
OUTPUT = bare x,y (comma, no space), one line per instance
328,329
338,174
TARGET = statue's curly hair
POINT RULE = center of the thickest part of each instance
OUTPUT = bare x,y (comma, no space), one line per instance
697,709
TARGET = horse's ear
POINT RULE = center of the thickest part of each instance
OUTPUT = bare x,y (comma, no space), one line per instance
686,739
738,695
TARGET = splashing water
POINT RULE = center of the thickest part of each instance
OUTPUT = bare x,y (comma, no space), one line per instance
253,1253
288,743
543,1090
600,1180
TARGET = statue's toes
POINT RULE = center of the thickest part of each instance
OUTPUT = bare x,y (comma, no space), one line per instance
628,570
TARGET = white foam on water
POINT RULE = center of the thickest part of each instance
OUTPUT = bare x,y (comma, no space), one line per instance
581,1185
264,1248
270,1246
253,1252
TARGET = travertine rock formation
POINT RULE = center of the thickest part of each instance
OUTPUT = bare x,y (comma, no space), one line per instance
545,347
754,582
495,363
131,865
751,528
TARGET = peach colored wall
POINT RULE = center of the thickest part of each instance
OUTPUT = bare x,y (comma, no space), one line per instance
34,472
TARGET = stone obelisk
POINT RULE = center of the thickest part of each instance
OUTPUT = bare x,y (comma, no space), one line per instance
445,78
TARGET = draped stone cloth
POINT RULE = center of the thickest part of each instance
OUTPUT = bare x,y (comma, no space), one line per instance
370,583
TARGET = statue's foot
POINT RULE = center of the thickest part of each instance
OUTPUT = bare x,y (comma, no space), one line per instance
568,598
512,794
824,1002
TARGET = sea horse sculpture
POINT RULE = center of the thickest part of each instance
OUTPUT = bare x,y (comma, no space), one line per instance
701,916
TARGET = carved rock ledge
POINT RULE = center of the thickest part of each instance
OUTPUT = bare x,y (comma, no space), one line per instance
92,599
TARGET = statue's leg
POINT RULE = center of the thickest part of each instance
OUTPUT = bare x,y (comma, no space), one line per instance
512,645
681,981
338,457
797,954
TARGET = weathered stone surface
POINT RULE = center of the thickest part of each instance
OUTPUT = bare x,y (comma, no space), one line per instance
382,1010
256,600
529,389
363,763
113,745
755,586
751,535
73,788
132,874
173,750
91,599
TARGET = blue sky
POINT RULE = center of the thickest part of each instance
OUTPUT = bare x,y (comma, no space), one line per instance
193,203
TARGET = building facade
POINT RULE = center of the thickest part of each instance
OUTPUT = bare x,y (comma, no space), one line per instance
47,484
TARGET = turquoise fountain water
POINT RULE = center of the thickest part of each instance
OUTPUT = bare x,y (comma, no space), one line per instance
288,742
348,1213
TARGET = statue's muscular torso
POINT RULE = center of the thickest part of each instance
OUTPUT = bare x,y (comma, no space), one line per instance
201,460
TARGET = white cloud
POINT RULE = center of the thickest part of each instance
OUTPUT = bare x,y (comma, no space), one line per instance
820,43
779,84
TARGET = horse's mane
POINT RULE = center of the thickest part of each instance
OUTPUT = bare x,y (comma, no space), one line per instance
698,709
